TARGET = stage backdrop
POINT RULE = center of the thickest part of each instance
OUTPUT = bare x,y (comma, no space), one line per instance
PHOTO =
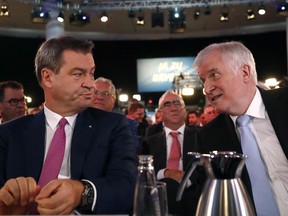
157,74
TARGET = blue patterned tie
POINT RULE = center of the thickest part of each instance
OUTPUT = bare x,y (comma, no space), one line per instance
262,193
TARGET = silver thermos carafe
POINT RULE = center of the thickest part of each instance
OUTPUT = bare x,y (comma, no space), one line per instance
223,192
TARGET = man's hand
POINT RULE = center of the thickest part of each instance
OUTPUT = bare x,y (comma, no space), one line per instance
59,197
177,175
17,195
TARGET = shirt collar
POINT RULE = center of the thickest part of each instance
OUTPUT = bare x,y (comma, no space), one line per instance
53,118
256,108
179,130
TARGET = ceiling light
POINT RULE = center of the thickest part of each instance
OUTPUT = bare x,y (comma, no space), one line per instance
207,10
196,13
4,9
187,91
40,14
224,14
261,10
79,18
140,18
131,14
157,18
104,17
282,9
177,20
250,12
60,17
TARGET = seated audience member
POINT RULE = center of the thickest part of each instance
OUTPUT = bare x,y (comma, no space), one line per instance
68,157
169,149
192,118
104,99
12,100
252,121
209,112
157,127
136,111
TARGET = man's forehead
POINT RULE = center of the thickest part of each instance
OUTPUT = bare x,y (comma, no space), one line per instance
13,93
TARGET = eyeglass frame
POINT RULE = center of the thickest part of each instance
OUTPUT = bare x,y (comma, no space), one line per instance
168,104
15,101
105,94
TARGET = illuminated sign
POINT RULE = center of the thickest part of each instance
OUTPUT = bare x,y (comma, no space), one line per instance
157,74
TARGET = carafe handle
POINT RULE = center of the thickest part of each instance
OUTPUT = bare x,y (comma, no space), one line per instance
196,156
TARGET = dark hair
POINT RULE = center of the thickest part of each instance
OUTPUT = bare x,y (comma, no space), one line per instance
9,84
50,53
134,106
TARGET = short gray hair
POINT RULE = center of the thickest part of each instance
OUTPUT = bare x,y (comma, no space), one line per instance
234,52
170,91
109,82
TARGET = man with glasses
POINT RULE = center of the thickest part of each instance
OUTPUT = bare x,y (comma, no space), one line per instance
12,100
104,99
169,149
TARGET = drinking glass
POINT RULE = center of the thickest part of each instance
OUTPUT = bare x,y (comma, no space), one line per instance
151,200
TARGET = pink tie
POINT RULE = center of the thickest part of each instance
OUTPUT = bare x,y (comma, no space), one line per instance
54,158
175,153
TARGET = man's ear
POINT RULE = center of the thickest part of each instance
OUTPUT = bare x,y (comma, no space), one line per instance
246,73
47,77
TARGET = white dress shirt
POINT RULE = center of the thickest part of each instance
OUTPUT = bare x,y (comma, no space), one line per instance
271,151
169,140
52,120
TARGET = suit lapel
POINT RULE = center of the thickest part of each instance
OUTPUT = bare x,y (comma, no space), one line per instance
35,145
81,140
277,106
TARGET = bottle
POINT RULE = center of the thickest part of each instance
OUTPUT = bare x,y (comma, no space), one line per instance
146,198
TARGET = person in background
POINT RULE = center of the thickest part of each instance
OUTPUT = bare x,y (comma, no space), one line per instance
12,100
210,113
96,171
136,111
157,127
192,118
104,99
228,72
170,157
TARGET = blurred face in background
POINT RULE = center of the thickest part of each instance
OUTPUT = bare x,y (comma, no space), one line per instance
13,104
103,98
138,115
192,119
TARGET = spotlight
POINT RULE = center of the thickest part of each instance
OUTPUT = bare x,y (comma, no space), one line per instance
60,17
224,14
196,13
79,18
4,9
207,10
177,20
131,14
140,20
104,17
282,9
157,18
261,10
250,12
40,15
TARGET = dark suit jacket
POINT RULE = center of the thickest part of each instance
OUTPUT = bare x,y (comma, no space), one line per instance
153,129
156,145
220,133
102,151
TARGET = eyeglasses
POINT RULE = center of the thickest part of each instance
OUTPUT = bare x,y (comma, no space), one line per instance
15,101
168,104
103,93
